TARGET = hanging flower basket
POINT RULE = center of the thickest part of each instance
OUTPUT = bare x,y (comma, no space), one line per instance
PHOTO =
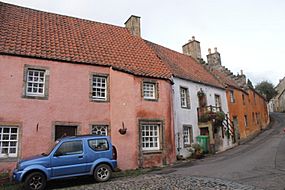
220,116
123,131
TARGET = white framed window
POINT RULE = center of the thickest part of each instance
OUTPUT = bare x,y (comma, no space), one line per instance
35,85
8,141
99,88
149,90
184,96
218,103
187,135
232,97
245,121
150,135
101,130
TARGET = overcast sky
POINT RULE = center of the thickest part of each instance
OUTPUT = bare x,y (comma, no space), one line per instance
249,34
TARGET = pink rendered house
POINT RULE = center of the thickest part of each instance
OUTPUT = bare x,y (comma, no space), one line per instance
65,76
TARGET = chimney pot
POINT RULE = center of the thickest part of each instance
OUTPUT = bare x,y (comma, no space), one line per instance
209,50
216,49
193,38
241,72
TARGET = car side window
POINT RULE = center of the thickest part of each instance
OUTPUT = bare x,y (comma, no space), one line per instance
70,148
98,144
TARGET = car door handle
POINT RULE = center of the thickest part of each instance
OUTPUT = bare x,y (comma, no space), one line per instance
80,156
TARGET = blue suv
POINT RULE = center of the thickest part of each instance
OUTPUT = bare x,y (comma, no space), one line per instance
70,157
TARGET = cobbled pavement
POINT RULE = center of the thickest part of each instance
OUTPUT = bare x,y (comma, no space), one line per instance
164,182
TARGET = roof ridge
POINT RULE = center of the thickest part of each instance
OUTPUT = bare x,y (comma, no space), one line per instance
61,15
174,51
177,62
33,33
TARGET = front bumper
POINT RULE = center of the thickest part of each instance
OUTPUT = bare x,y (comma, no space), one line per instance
17,175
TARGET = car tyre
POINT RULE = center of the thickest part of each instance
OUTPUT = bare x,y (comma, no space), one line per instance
35,181
102,173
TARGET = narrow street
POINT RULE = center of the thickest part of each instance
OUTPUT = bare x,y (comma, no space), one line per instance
260,162
257,164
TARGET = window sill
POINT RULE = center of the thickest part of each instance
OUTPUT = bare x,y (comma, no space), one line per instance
187,108
10,159
150,99
152,151
187,145
99,101
35,97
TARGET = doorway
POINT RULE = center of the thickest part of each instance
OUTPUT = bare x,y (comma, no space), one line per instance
64,130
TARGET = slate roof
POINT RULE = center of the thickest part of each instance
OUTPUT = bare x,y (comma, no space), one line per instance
38,34
183,66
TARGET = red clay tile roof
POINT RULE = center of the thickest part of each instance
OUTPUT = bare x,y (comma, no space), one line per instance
28,32
183,66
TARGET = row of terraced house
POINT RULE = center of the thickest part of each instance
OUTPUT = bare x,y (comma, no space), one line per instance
61,75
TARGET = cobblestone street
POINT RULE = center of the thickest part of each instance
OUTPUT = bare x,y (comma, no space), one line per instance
164,182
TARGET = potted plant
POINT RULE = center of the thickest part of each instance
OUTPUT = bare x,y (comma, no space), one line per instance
220,116
205,117
198,151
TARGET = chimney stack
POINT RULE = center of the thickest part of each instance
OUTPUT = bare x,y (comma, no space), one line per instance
214,58
133,25
192,48
241,78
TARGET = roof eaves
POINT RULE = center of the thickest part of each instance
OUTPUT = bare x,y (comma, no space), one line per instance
89,63
199,82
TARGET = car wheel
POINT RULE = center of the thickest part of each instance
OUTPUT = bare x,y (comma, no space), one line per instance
35,181
102,173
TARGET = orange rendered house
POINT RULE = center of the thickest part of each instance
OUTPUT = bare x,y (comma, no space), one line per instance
247,108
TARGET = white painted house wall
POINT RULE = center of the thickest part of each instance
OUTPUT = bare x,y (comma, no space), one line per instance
183,116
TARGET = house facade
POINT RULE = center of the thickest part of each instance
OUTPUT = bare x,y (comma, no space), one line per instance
195,93
247,108
67,76
278,102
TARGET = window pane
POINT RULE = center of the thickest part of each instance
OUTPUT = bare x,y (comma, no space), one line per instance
98,144
12,150
150,136
6,130
5,137
8,141
149,90
35,80
4,151
100,130
99,87
5,144
14,130
69,148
